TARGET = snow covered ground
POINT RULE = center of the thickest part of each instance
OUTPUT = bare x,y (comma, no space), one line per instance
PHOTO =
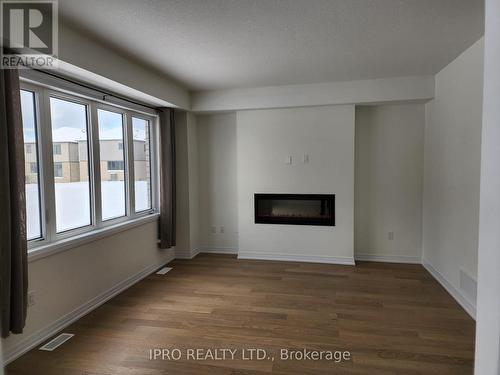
73,204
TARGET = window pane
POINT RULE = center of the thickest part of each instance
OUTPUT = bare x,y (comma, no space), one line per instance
71,169
112,164
115,165
142,164
58,170
31,165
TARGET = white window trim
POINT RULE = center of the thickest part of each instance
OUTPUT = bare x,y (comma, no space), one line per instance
52,242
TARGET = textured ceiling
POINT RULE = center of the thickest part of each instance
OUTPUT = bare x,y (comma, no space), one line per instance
215,44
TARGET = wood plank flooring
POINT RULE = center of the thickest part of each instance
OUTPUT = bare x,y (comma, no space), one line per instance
392,318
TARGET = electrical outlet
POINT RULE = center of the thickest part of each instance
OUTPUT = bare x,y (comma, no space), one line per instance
214,229
31,298
305,159
390,236
222,229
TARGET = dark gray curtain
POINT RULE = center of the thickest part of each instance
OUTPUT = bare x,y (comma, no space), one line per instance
13,243
167,178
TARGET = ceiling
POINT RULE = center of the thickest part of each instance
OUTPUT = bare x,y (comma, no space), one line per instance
219,44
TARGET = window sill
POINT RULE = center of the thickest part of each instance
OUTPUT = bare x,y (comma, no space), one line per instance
43,251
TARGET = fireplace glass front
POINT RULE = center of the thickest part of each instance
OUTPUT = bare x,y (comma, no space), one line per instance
295,209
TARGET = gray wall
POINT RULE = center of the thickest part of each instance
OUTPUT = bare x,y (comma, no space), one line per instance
488,301
452,172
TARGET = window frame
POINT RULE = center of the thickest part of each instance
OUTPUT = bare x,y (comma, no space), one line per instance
49,238
125,151
41,168
151,155
51,214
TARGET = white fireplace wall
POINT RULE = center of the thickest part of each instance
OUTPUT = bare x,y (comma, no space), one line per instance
266,139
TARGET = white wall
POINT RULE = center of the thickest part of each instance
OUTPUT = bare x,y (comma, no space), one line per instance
217,181
388,182
452,154
488,301
67,283
315,94
264,139
91,56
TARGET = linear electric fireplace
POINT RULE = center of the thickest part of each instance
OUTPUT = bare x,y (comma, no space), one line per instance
297,209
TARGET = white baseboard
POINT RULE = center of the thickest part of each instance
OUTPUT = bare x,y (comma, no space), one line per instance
217,249
388,258
468,305
297,258
36,338
186,254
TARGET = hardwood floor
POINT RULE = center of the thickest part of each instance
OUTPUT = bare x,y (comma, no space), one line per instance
392,318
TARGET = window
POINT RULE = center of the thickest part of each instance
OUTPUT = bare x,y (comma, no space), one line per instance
72,188
32,187
142,164
58,172
82,171
115,165
113,186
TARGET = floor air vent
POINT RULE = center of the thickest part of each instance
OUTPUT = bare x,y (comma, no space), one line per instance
163,271
56,342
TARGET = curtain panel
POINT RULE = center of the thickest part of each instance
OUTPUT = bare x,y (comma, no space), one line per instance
167,178
13,242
